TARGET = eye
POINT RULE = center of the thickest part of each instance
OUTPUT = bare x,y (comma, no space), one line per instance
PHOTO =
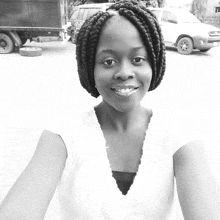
109,62
138,60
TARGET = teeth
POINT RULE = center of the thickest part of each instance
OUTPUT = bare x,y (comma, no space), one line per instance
123,90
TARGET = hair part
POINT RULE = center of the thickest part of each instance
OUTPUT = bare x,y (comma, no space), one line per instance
147,25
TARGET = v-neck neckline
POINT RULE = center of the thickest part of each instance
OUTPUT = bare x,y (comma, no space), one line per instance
104,152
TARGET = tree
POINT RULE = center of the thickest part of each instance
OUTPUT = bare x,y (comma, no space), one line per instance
198,8
161,3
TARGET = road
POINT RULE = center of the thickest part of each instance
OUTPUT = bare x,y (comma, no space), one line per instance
47,85
39,86
38,92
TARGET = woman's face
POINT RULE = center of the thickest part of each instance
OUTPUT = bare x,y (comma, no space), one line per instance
122,69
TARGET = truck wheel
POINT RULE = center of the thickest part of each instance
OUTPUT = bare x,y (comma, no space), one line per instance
6,43
185,46
31,51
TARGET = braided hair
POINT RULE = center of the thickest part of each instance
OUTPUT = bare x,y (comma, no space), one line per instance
145,22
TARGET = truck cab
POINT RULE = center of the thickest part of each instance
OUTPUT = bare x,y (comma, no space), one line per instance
21,20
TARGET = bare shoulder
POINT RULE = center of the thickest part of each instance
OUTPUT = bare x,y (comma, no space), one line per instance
37,183
198,191
51,143
50,137
191,159
50,152
190,153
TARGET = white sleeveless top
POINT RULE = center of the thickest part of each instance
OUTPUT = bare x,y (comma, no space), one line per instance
87,190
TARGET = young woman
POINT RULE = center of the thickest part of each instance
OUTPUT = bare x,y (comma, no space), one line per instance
123,156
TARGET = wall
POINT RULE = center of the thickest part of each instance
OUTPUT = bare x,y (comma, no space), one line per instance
213,19
211,5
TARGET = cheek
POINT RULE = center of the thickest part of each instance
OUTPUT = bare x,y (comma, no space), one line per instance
100,83
147,76
96,76
101,77
150,77
100,80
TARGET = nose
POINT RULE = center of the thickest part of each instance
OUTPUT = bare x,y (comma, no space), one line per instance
124,72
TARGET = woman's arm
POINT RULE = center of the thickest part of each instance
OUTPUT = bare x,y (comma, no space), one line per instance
30,196
198,192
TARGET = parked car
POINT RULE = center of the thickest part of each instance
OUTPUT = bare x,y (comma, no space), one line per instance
81,13
184,31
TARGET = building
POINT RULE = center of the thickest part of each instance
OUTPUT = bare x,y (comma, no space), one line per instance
213,6
213,13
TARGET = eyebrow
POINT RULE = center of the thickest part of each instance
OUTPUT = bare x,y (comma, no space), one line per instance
110,51
106,51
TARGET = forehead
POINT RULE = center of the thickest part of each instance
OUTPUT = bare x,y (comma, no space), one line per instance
119,31
117,20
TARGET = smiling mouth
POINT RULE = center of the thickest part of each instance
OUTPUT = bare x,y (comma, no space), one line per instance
125,91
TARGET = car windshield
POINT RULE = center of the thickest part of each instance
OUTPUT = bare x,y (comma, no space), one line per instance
92,11
156,13
186,17
74,13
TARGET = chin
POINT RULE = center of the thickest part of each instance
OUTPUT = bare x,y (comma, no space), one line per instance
126,108
122,105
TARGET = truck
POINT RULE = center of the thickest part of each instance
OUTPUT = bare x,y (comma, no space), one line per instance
37,20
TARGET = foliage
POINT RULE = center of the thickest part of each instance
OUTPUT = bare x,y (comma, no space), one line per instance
161,3
198,8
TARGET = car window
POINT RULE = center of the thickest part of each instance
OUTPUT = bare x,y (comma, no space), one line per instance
186,17
81,14
92,11
85,14
169,17
156,13
75,14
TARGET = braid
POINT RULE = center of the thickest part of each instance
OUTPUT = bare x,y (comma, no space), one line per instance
86,50
95,33
145,37
145,22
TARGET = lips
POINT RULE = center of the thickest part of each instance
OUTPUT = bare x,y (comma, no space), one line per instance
124,90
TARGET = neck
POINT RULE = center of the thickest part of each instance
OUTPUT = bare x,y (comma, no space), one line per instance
110,118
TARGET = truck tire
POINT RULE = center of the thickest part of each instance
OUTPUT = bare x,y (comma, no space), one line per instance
31,51
6,43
